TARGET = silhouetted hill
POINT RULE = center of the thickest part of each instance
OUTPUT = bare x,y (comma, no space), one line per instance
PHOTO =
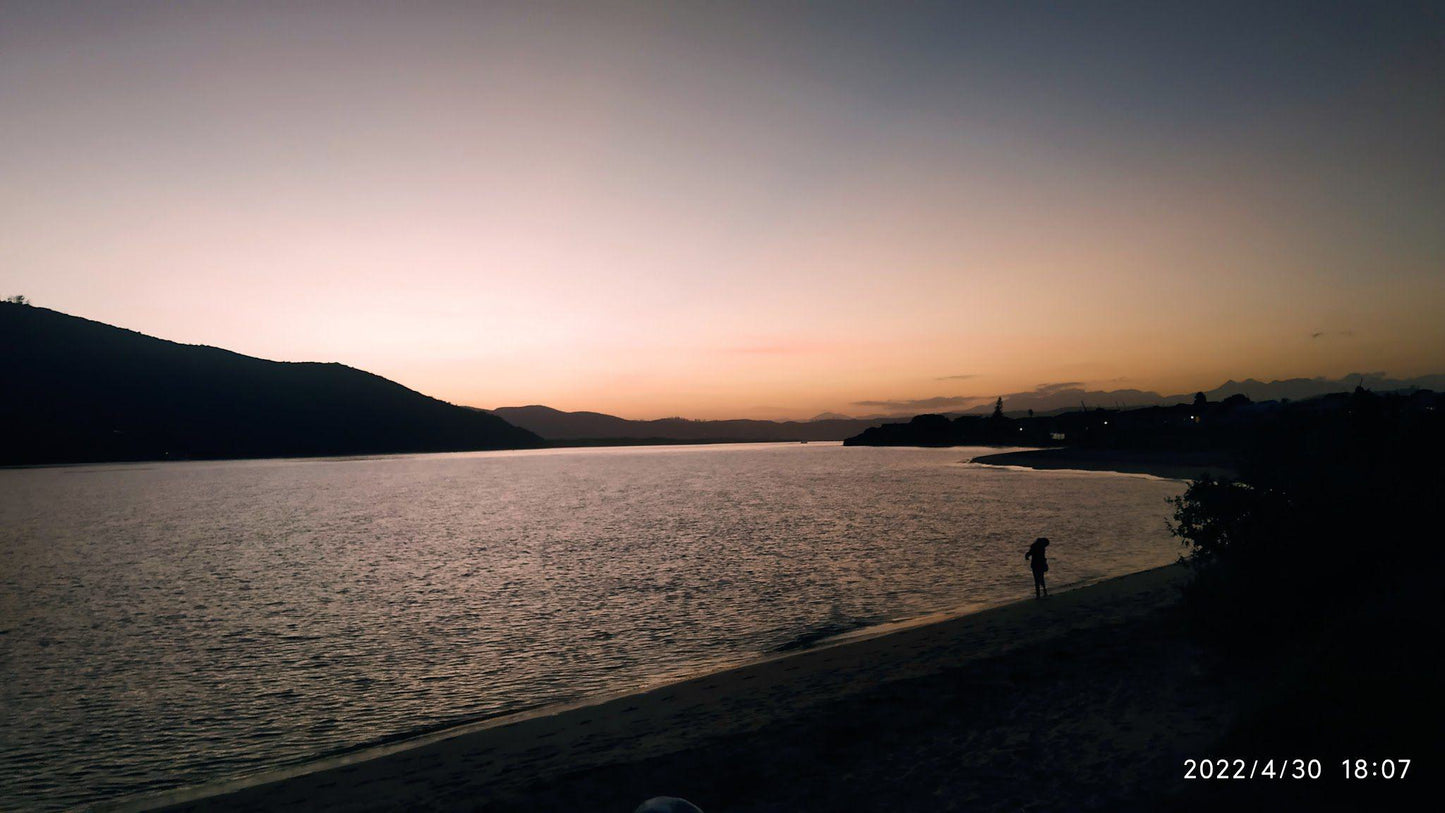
1296,389
554,424
78,391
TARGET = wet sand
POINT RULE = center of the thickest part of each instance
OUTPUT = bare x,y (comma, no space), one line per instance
1088,699
1172,465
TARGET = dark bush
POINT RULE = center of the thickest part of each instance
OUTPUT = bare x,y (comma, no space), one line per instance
1333,518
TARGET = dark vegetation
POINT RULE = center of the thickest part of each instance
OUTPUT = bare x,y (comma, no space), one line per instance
1317,576
81,391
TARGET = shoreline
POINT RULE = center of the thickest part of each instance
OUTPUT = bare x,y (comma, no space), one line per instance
1168,465
511,760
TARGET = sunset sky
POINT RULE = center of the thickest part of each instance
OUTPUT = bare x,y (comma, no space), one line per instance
738,210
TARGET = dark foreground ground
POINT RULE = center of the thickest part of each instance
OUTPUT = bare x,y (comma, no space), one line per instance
1099,720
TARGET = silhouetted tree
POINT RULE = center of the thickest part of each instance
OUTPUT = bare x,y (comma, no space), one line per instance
17,300
1331,504
1200,401
998,409
1320,567
1219,518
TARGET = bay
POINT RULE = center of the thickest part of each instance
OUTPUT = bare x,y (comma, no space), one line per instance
180,623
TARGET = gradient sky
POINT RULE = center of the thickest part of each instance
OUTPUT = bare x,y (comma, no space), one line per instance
738,210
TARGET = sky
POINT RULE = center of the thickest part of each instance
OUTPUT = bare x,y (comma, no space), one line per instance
763,210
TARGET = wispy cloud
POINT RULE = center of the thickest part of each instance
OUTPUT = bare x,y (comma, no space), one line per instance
1050,395
1356,377
1054,389
1325,334
938,402
963,377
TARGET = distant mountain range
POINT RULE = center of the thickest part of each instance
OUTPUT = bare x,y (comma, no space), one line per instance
1056,398
1297,389
562,426
554,424
79,391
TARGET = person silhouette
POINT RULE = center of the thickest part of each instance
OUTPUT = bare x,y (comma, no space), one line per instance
1040,563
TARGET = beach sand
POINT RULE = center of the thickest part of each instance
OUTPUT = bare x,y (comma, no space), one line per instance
1087,699
1172,465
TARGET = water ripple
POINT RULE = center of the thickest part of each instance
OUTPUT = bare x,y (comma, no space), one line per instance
182,623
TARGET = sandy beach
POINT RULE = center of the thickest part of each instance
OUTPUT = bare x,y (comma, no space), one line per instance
1173,465
1088,699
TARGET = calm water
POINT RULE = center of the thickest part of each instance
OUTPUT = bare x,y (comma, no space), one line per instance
171,624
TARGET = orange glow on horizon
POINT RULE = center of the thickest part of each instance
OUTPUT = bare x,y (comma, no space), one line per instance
709,214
